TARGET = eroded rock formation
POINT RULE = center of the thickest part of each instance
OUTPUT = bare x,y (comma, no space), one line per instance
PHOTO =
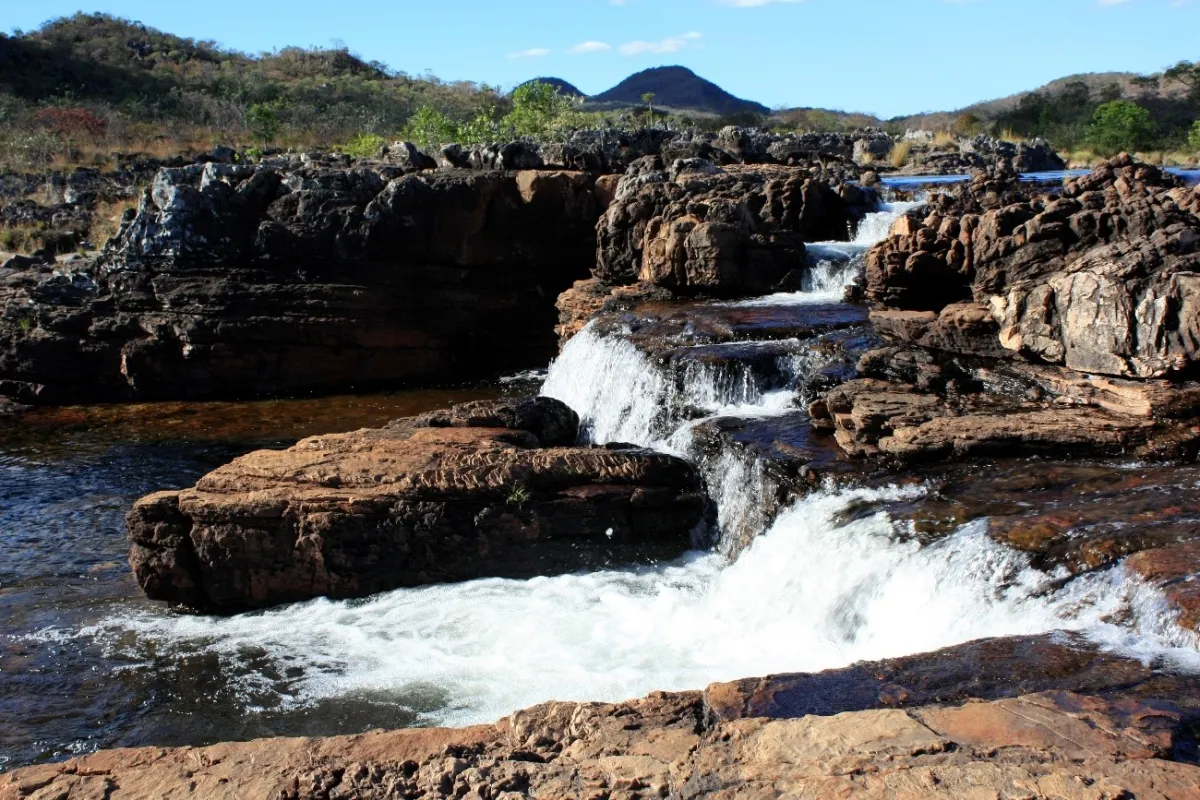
1064,322
247,280
486,489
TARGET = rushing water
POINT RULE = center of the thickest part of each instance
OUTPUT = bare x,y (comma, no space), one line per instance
839,576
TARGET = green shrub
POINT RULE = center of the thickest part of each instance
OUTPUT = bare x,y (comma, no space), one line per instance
364,145
1194,136
263,121
429,129
1121,125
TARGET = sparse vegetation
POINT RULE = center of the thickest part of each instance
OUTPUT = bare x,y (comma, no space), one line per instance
32,238
518,495
106,220
363,145
900,153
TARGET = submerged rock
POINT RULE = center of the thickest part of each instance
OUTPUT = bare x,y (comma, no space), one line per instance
487,489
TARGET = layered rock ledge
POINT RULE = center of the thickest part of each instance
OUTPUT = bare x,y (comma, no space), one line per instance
690,228
240,281
486,489
1064,323
730,741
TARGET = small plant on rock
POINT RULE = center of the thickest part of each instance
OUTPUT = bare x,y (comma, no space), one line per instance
518,495
364,145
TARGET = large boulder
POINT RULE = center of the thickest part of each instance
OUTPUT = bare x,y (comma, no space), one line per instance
239,280
487,489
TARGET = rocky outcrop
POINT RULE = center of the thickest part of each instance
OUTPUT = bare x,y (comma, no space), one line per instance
980,152
1059,322
493,488
730,741
1098,279
238,281
912,403
697,228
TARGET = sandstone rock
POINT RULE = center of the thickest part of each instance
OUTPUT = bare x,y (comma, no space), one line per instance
1061,746
486,489
1100,280
870,417
735,230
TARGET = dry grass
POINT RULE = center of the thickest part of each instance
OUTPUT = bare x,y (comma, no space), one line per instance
900,153
30,238
866,159
1155,157
945,140
1009,135
106,220
1181,158
1082,157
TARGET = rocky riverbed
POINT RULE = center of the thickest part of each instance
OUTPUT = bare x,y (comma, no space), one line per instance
952,519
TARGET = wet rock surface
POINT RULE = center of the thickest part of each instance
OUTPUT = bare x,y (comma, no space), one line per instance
491,489
840,734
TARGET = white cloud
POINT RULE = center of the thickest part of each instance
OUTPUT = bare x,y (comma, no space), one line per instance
672,44
533,52
755,3
590,47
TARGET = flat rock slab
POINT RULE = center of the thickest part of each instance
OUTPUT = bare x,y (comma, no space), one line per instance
988,669
487,489
1059,745
661,325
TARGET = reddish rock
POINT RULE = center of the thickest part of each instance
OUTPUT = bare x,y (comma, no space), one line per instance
488,489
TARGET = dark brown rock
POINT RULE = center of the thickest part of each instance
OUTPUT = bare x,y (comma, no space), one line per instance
237,281
695,228
487,489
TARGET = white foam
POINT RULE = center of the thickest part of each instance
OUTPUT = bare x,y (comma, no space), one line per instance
834,582
834,265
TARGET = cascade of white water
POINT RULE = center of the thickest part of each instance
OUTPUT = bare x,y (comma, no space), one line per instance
835,581
834,265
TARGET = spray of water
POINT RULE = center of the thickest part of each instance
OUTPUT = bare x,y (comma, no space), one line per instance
823,589
833,580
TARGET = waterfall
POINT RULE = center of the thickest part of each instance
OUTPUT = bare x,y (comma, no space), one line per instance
836,580
832,579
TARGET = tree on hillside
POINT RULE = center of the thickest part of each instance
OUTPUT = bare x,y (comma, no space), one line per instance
1121,125
1147,85
1194,136
1187,74
648,99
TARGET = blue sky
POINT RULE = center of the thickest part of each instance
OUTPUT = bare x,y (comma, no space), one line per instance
888,57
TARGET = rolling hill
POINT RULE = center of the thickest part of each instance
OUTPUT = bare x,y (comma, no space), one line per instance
676,88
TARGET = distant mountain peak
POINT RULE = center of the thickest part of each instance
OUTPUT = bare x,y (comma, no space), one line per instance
677,87
565,88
